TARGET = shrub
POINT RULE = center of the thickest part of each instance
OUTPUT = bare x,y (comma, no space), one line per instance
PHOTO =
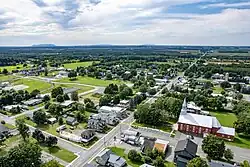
2,122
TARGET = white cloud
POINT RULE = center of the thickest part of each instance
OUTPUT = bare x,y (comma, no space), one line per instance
118,22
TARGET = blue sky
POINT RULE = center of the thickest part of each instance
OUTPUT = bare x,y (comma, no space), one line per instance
79,22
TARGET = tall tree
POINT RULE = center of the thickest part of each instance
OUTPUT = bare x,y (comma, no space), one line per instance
74,96
213,147
39,117
197,162
228,154
52,163
22,128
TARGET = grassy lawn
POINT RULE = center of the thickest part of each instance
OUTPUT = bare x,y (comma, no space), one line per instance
6,77
240,141
92,97
33,84
61,153
165,128
78,64
80,87
9,143
217,89
91,81
9,126
120,152
17,67
225,118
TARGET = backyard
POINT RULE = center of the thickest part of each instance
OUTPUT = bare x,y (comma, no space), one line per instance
217,89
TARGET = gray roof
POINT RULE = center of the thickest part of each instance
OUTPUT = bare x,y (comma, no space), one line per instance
71,119
187,145
148,144
219,164
105,154
115,159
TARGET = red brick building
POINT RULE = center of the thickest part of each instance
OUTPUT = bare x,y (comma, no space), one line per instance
202,124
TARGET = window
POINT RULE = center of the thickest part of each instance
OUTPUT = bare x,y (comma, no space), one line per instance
187,127
193,129
181,126
200,130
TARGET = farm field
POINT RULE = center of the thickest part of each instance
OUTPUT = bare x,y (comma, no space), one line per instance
79,64
91,81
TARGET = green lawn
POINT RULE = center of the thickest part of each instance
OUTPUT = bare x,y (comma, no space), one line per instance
81,88
225,118
79,64
165,128
91,81
9,143
9,126
61,153
217,89
10,68
33,84
121,153
240,141
92,97
6,77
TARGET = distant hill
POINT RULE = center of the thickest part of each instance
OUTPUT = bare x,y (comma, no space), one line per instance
44,45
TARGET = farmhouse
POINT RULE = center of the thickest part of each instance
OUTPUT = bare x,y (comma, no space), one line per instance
202,124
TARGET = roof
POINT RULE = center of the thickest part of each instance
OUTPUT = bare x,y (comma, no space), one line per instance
219,164
131,133
105,154
226,131
161,145
52,119
115,159
148,143
187,145
67,103
70,119
29,102
199,120
69,90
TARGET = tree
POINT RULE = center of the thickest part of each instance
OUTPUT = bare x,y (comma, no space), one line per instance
34,93
51,141
39,117
52,108
104,100
60,121
143,88
5,71
225,84
46,72
60,99
46,98
111,89
213,147
208,75
56,91
72,74
133,155
228,154
80,117
74,96
66,97
152,91
197,162
242,125
86,100
22,128
24,155
18,98
109,76
245,164
116,99
38,135
51,163
158,162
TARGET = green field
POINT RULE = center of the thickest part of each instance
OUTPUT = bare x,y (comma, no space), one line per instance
80,87
79,64
240,141
10,68
91,81
6,77
165,128
33,84
225,118
217,89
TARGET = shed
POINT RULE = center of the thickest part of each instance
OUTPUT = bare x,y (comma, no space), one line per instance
52,120
71,121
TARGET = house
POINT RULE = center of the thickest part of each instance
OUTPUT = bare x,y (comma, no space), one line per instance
131,137
116,111
33,102
71,121
52,120
96,123
109,118
161,145
87,135
185,151
13,107
124,103
62,74
108,158
67,103
70,136
60,128
202,124
218,76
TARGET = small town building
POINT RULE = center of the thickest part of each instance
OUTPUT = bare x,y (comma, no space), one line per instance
116,111
70,136
108,158
60,128
146,165
13,107
67,103
33,102
153,143
87,135
124,103
185,151
202,124
96,123
52,120
71,121
161,145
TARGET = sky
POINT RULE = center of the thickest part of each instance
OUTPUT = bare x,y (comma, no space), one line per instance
84,22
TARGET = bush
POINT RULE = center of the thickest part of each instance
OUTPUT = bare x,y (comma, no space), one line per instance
147,160
3,122
133,155
60,121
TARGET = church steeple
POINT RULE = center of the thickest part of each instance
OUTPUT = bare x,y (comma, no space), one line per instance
184,107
